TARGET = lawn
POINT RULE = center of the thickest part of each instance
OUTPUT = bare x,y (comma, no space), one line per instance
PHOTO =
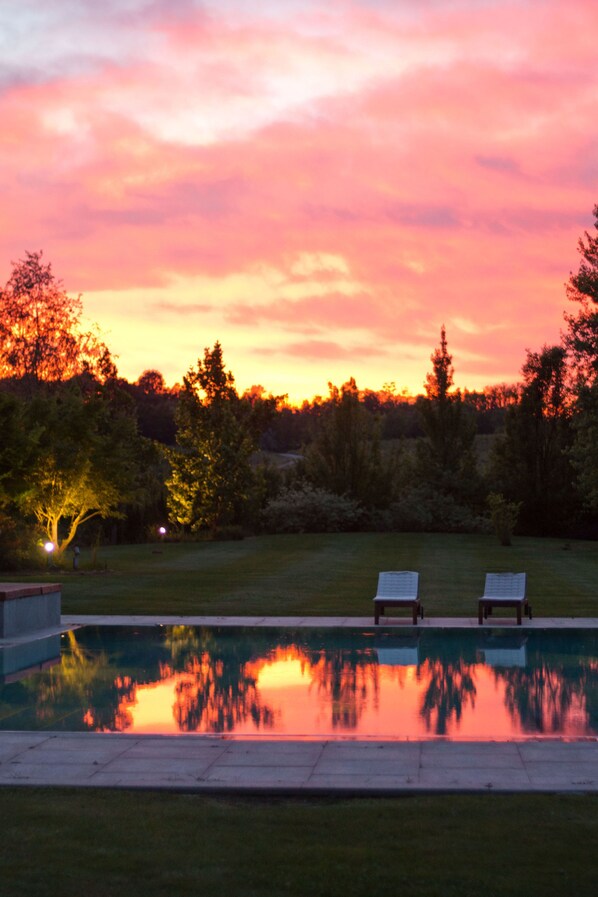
326,574
108,843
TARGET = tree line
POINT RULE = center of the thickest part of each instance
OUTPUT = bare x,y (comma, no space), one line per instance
85,455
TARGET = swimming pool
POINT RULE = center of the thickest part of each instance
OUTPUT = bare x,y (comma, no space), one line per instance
312,683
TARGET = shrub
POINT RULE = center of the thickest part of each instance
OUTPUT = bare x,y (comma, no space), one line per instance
16,545
425,510
503,515
309,509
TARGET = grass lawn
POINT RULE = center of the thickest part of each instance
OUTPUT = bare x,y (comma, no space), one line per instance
328,574
105,843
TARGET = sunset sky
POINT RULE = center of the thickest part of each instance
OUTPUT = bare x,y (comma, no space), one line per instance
318,184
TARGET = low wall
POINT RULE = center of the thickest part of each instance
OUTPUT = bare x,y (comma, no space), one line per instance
21,659
28,607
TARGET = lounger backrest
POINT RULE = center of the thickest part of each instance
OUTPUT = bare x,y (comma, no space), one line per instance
399,584
505,585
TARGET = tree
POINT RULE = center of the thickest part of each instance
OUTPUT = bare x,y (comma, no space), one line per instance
581,338
345,456
151,382
581,341
584,451
17,448
155,405
531,463
445,456
40,335
584,284
210,482
18,442
84,466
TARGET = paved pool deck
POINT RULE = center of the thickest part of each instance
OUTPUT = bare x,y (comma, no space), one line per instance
214,764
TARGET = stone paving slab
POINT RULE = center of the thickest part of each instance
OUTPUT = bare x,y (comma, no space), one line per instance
215,764
333,622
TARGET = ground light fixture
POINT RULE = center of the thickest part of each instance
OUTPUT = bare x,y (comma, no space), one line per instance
49,548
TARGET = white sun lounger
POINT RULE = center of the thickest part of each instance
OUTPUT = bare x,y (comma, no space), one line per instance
398,589
504,590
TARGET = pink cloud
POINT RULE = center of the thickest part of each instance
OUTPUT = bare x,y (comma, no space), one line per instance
455,186
327,311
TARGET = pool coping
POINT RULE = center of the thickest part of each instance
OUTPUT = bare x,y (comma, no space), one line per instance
214,764
386,622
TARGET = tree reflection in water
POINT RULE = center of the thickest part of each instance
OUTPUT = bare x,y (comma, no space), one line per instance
542,699
215,681
215,688
345,677
84,678
214,696
449,687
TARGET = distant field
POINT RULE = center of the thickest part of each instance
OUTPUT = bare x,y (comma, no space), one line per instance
332,574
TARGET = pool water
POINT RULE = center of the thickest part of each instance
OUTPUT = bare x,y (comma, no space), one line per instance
312,683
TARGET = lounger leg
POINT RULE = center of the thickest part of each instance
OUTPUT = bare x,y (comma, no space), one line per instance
519,615
415,615
480,612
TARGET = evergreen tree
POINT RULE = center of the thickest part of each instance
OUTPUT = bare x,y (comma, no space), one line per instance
531,462
581,340
584,451
210,483
445,456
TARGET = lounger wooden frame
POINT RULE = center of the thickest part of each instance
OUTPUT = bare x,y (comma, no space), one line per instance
398,588
504,590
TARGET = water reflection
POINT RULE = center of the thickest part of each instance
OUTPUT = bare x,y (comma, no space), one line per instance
313,683
448,688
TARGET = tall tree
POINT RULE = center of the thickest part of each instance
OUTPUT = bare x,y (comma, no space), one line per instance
445,456
581,340
40,334
531,462
210,483
584,451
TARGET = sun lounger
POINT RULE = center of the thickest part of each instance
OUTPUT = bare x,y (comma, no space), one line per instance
504,590
398,589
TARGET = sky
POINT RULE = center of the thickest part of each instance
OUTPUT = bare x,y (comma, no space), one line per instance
320,185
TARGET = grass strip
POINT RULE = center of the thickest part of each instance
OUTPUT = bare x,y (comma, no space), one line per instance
73,842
